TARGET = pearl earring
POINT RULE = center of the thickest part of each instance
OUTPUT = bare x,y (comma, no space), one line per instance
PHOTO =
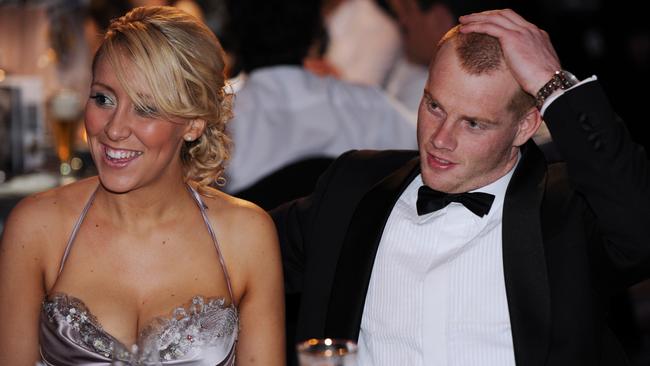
188,138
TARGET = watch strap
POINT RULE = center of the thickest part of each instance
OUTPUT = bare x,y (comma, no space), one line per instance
561,80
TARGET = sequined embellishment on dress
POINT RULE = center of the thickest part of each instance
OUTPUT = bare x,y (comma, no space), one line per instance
205,322
87,333
202,324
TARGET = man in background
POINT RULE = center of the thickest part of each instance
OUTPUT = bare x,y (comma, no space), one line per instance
283,113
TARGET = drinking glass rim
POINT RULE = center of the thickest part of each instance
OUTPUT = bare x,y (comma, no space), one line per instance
328,347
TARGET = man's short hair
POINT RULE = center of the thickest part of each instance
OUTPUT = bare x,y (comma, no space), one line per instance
480,54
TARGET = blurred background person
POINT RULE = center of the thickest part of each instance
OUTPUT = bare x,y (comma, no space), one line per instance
284,113
422,23
189,6
101,12
289,123
363,40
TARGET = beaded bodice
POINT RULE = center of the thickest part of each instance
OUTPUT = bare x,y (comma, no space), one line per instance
204,332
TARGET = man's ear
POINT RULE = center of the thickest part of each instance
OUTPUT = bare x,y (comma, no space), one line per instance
527,126
194,129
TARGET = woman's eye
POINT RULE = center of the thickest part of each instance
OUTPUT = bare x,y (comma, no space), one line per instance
101,100
146,111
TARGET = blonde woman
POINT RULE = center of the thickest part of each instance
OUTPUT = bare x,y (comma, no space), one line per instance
145,263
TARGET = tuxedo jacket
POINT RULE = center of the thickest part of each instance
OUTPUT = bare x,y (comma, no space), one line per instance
573,233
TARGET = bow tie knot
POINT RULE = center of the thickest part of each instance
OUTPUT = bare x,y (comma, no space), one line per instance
430,200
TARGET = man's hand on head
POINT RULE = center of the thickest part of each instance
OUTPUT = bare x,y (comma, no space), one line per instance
528,51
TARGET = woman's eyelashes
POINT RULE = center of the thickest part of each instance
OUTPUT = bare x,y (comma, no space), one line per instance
102,100
146,111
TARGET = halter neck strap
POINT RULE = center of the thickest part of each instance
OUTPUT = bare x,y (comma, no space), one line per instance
203,208
75,229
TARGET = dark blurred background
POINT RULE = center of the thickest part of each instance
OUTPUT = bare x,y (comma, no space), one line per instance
606,38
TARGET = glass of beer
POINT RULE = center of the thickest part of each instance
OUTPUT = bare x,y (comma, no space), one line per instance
327,352
65,113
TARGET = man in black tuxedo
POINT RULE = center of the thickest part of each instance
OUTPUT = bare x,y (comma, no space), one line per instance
519,270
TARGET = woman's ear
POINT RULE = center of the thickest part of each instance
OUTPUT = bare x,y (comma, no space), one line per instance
194,129
527,126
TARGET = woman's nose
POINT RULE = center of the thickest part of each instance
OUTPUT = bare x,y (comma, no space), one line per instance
118,127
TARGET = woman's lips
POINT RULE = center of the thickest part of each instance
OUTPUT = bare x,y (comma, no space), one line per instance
119,157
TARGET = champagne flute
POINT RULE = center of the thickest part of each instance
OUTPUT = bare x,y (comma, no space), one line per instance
327,352
65,113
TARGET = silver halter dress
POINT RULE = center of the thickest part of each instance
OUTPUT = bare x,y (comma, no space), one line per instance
202,334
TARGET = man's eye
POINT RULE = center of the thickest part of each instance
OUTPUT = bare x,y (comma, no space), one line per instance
101,99
474,125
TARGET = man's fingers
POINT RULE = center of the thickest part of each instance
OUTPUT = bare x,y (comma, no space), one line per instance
490,28
505,18
514,17
495,18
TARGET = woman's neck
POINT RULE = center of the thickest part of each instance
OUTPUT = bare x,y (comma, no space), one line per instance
145,206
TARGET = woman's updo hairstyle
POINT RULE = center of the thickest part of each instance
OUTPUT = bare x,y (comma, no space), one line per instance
182,64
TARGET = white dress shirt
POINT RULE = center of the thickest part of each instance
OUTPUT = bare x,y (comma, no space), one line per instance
437,292
283,114
406,83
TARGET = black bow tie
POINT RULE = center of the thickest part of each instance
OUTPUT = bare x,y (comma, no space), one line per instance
430,200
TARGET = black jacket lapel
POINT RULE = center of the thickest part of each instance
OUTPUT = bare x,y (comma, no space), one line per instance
358,253
523,257
524,260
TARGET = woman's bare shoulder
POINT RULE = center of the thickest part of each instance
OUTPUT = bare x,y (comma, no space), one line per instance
250,242
52,203
45,215
242,221
235,211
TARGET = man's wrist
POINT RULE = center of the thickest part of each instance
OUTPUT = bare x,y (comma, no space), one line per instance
559,92
561,80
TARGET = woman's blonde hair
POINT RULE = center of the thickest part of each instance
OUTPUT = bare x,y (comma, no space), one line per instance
182,63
